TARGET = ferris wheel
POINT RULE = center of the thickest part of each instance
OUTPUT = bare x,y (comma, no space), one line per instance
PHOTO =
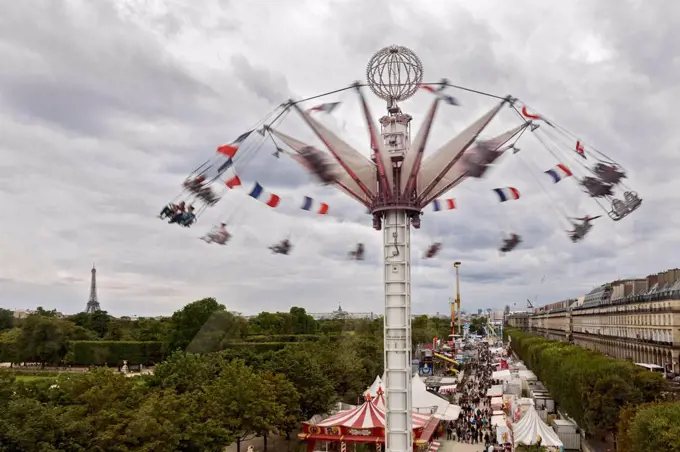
398,181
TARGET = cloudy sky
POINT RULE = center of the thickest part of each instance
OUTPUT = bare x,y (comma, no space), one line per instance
106,106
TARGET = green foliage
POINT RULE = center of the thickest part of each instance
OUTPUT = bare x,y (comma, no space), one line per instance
9,352
44,339
257,347
113,353
6,319
225,379
291,337
532,448
591,387
186,323
652,426
477,326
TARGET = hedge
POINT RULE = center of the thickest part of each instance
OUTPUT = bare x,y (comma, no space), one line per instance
590,387
257,347
291,338
113,353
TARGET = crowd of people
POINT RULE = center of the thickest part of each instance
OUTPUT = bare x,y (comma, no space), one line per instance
474,423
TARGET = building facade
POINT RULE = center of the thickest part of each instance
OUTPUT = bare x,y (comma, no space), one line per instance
635,319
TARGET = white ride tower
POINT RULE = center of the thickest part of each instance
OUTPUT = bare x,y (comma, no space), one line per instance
395,185
394,74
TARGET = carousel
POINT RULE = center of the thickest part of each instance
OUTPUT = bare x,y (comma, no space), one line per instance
364,424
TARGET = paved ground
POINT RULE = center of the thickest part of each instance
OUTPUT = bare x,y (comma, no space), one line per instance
453,446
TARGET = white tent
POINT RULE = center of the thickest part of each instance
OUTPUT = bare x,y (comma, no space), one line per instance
495,391
530,427
422,399
501,375
527,375
452,413
373,389
498,420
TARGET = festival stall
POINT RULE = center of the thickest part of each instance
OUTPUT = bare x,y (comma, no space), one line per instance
501,375
495,391
532,430
423,402
519,406
447,389
364,424
512,386
496,403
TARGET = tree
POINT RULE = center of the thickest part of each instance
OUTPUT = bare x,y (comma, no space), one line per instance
591,387
302,322
186,372
99,321
44,339
6,319
220,328
656,427
477,326
188,321
289,399
166,420
302,369
243,402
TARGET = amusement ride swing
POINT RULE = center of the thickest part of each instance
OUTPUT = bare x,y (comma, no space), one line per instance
397,182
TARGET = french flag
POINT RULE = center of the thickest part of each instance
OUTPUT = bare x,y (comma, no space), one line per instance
439,93
432,89
507,193
580,149
258,193
308,204
325,108
559,172
444,204
229,150
233,182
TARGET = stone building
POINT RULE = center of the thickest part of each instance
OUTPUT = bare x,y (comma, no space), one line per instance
635,319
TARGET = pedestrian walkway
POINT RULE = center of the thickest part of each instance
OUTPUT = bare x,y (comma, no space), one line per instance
454,446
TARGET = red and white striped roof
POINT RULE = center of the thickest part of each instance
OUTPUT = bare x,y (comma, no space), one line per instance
363,416
379,399
368,415
420,419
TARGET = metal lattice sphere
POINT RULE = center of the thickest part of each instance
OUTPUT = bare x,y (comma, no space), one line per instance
394,73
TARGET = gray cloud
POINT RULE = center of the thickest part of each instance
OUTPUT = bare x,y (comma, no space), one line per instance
107,106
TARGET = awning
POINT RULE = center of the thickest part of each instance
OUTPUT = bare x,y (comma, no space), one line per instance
495,391
451,414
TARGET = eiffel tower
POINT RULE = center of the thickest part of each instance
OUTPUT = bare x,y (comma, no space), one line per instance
93,303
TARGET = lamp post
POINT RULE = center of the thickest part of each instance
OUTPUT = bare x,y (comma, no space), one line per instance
457,265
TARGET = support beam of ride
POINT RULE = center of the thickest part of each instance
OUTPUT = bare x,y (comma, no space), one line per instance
397,268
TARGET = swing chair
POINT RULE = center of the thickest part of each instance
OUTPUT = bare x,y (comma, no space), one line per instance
283,247
219,235
357,253
510,243
432,250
